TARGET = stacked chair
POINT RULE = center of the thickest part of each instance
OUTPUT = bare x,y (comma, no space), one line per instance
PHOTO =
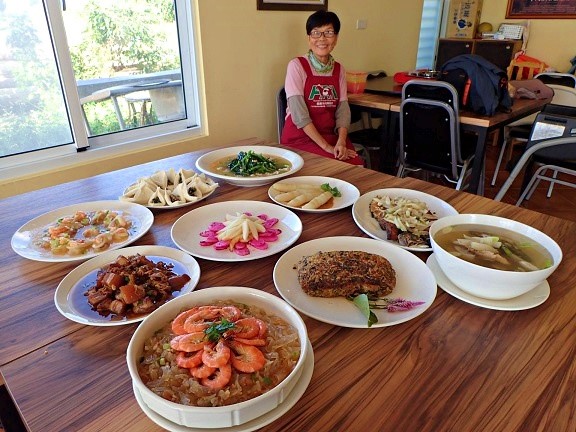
430,137
564,87
550,150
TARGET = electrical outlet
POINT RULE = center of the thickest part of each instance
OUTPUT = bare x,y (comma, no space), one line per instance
361,23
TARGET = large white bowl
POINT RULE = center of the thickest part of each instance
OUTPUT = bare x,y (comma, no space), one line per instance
225,416
485,282
206,162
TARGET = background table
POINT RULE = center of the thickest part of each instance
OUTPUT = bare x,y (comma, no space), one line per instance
455,367
482,126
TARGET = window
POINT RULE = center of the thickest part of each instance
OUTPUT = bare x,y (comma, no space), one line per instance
429,33
83,74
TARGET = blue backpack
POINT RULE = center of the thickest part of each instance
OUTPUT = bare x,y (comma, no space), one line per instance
481,85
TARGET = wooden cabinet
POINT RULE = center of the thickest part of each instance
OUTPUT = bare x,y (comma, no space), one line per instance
499,52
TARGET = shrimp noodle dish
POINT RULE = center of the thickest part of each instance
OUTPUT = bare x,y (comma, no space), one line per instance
84,232
219,354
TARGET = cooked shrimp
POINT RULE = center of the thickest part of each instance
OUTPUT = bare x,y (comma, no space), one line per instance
219,379
190,342
245,328
247,358
80,216
217,356
200,317
91,232
189,361
119,221
78,247
178,322
263,329
58,230
120,234
202,371
198,313
254,341
231,313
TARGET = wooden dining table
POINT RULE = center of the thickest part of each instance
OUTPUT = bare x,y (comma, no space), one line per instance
455,367
388,107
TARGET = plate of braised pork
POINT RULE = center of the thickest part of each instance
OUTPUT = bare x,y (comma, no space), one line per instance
124,286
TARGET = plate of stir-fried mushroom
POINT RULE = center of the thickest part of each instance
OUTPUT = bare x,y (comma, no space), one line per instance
124,286
400,216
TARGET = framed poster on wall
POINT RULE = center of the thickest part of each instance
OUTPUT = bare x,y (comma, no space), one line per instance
295,5
544,9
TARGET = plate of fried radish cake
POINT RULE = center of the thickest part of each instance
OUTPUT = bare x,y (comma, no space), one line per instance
320,277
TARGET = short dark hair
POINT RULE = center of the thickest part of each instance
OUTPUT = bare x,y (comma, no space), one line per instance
321,18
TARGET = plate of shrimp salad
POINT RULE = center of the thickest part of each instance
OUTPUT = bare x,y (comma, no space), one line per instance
81,231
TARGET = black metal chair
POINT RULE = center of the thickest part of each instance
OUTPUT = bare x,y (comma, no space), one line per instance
282,104
430,137
520,130
551,148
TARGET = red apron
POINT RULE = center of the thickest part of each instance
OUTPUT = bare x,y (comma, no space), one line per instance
321,96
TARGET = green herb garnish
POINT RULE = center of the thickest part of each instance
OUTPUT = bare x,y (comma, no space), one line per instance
361,301
216,330
333,190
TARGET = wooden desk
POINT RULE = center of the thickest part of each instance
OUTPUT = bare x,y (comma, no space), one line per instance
480,125
455,367
384,86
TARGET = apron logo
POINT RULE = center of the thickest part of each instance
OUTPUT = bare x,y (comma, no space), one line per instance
322,92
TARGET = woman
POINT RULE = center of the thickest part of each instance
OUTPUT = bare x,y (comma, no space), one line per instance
318,114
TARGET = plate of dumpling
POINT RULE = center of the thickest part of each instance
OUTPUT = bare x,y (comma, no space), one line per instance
168,189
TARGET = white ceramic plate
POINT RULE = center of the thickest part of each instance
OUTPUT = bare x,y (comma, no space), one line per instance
350,193
526,301
186,230
365,221
205,163
23,241
69,296
414,281
252,425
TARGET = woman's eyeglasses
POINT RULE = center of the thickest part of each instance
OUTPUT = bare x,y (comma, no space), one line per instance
329,34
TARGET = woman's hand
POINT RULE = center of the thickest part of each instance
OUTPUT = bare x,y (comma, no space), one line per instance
341,152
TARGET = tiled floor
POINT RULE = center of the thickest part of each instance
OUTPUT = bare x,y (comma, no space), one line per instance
561,204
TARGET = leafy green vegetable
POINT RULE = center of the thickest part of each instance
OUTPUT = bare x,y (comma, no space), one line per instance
250,163
361,301
215,331
333,190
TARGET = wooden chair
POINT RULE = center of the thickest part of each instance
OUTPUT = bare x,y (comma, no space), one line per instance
519,70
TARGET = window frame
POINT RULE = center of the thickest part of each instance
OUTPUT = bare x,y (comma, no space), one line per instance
85,148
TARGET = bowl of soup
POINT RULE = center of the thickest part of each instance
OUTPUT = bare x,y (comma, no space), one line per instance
218,357
250,165
493,257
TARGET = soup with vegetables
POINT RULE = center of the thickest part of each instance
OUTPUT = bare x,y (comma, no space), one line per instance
495,248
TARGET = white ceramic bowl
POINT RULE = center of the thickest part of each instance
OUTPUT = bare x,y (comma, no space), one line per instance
225,416
485,282
206,162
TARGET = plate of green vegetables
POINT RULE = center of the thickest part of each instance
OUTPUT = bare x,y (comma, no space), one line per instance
250,165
